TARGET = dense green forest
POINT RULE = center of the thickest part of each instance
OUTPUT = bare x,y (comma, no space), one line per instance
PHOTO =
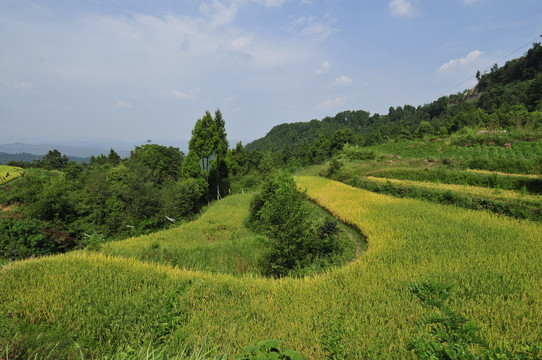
505,98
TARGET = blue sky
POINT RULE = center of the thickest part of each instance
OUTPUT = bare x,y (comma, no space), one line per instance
124,71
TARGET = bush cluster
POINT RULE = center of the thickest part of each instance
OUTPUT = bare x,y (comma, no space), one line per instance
299,240
106,200
21,239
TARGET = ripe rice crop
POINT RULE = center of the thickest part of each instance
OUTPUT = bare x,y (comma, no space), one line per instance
503,174
8,173
496,194
364,309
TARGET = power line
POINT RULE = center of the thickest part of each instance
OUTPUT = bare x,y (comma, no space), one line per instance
487,68
515,51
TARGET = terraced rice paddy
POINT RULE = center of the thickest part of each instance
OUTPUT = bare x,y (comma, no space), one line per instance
8,173
101,303
496,194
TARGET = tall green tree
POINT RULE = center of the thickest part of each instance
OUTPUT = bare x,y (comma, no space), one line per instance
113,158
209,144
54,160
163,162
220,146
237,160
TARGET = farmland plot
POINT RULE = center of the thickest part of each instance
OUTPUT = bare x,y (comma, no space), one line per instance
362,310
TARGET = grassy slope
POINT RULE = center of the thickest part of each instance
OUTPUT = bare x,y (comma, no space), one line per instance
102,301
216,242
443,149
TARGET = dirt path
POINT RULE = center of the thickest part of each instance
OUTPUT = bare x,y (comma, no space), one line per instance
358,237
355,239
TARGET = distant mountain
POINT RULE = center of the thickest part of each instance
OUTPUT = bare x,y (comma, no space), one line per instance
42,149
26,157
85,149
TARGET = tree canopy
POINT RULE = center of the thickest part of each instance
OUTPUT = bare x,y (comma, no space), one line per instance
210,145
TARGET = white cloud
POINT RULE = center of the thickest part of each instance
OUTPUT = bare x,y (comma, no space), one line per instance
455,63
180,95
342,81
470,2
330,103
219,13
228,99
121,104
241,43
311,27
401,8
271,54
137,66
324,68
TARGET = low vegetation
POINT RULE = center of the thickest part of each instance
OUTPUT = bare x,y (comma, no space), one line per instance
103,303
504,202
447,334
495,181
220,242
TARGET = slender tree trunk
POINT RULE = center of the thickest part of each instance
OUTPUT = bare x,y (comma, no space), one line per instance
217,183
205,163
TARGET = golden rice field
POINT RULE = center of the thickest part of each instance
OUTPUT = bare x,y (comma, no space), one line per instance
8,173
532,176
496,194
104,302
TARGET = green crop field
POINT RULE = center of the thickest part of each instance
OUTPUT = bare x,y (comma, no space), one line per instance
88,304
216,242
8,173
496,194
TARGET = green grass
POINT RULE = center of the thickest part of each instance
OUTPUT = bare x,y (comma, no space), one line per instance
97,304
3,261
522,157
217,242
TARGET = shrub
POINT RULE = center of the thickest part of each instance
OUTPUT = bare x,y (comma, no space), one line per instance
24,238
356,153
297,239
